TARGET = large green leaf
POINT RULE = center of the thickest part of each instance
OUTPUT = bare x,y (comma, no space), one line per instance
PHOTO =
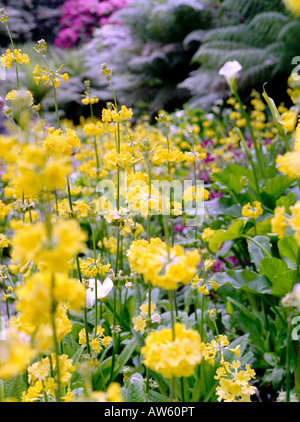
231,177
233,232
245,280
288,249
276,186
125,355
135,391
256,253
286,201
277,271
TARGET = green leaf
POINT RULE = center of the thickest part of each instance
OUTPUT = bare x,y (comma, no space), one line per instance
277,272
125,355
288,249
130,307
283,283
272,266
233,232
154,396
286,201
261,228
245,280
256,253
135,391
275,113
13,387
276,186
231,177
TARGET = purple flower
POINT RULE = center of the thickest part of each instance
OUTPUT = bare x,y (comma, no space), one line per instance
80,17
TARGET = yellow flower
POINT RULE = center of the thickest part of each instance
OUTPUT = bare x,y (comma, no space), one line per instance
160,266
59,143
33,393
15,353
31,243
144,308
113,394
293,6
279,222
207,234
69,397
203,290
139,324
22,95
289,164
4,241
253,210
95,129
171,357
234,383
289,120
15,56
39,370
294,221
47,76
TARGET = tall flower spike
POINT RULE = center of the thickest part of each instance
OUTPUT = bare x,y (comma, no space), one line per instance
3,17
41,47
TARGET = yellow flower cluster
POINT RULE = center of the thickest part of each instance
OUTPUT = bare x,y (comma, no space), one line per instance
47,76
59,143
112,115
91,267
113,160
198,283
15,56
35,301
42,382
31,243
289,162
216,348
160,266
170,357
280,221
95,340
15,352
141,321
253,210
234,382
113,394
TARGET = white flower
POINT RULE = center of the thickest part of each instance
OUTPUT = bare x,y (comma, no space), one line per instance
155,318
296,290
230,70
128,284
102,290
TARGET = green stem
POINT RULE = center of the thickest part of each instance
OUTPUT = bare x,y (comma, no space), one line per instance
257,244
13,48
149,329
245,115
172,388
250,161
182,390
56,104
287,359
85,309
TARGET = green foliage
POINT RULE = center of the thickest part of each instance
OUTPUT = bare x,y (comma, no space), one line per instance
148,53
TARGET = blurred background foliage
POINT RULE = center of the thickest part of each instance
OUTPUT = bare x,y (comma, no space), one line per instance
165,53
